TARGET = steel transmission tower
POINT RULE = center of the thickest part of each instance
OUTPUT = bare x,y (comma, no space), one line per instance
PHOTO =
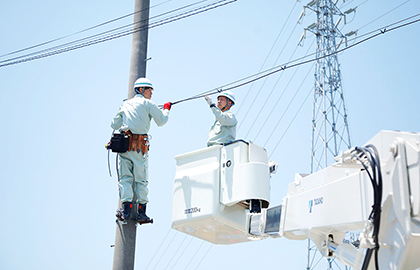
330,129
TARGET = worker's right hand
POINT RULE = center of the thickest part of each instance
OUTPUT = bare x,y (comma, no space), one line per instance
208,99
167,106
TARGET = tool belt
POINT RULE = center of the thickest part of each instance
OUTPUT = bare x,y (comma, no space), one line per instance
138,142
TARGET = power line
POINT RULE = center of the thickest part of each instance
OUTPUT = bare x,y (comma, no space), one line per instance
173,256
182,252
278,57
285,109
69,47
266,100
165,250
158,248
204,256
278,122
266,58
81,31
384,14
194,254
281,138
258,76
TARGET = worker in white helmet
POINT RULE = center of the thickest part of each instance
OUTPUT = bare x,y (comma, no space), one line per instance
223,129
134,118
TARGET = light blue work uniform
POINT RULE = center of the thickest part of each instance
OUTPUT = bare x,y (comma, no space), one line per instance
223,129
135,114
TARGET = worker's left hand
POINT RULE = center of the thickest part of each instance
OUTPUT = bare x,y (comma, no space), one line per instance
167,106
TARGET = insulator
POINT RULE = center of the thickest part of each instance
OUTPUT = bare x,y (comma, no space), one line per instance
301,14
313,2
351,33
312,26
302,37
349,11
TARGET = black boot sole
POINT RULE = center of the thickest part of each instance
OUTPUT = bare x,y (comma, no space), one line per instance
141,222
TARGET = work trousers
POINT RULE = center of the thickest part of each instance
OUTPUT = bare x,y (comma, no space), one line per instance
133,166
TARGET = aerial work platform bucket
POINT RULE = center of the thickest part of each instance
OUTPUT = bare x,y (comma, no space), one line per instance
213,187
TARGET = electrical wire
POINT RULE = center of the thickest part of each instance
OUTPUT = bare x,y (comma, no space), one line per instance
204,256
117,35
100,34
165,250
266,58
284,133
291,64
384,14
81,31
86,42
278,122
182,252
272,90
281,95
202,242
173,256
158,248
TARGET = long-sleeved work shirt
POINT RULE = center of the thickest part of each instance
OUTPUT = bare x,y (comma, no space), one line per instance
223,129
136,113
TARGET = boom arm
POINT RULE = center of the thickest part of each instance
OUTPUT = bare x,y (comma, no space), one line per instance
377,193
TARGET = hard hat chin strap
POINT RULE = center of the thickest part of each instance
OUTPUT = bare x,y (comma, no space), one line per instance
227,106
140,90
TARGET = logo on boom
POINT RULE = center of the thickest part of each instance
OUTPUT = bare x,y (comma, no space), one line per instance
315,202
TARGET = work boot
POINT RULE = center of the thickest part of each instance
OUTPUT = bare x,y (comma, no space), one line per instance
255,206
124,213
141,215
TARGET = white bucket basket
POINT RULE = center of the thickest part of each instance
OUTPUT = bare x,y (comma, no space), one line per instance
212,189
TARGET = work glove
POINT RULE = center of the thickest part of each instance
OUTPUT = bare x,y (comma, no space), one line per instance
209,101
167,106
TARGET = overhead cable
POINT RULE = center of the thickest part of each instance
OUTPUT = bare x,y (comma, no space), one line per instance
385,14
285,110
173,237
192,257
173,256
268,97
278,57
288,65
81,31
158,248
266,58
211,245
95,39
284,133
182,252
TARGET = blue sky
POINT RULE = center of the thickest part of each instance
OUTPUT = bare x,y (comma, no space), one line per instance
57,199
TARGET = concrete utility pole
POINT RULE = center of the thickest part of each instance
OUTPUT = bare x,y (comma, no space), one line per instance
139,44
125,237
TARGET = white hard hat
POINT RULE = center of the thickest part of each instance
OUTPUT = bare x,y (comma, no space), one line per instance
229,95
142,82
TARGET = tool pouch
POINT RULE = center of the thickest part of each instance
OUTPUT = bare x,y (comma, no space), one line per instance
119,143
139,142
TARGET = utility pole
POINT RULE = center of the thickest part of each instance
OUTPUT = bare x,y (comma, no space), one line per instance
125,236
330,129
